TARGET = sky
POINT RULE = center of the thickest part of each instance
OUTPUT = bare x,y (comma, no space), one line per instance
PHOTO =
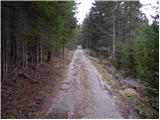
148,10
85,5
83,9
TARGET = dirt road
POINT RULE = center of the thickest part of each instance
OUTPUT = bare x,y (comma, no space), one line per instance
81,94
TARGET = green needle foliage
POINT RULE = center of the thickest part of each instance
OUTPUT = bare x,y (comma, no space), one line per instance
121,30
32,31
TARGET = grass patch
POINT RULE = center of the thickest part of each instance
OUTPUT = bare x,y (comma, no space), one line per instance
106,76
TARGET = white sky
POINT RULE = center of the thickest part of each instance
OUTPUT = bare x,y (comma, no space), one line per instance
85,6
83,9
148,10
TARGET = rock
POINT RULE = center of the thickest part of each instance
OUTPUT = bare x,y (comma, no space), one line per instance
130,91
35,81
9,98
65,87
19,111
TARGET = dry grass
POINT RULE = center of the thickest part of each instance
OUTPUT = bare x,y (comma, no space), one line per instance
129,100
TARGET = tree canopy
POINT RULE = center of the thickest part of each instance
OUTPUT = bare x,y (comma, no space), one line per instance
121,30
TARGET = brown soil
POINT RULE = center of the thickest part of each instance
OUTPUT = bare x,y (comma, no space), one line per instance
27,93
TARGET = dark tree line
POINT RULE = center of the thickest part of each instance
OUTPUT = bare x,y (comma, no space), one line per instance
121,30
33,31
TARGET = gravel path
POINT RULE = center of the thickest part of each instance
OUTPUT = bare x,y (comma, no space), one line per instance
81,94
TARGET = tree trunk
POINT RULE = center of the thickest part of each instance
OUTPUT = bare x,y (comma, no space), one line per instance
49,56
26,53
118,31
63,53
40,51
13,38
3,48
37,51
114,35
23,54
126,39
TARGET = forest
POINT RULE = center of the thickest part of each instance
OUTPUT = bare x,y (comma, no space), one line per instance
31,39
53,67
121,31
34,34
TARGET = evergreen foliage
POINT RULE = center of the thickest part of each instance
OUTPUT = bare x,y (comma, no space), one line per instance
134,41
32,31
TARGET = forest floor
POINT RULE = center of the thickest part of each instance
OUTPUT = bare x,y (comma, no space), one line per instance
84,87
93,89
27,93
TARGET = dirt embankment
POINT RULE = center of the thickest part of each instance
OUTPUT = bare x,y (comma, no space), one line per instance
27,93
133,98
